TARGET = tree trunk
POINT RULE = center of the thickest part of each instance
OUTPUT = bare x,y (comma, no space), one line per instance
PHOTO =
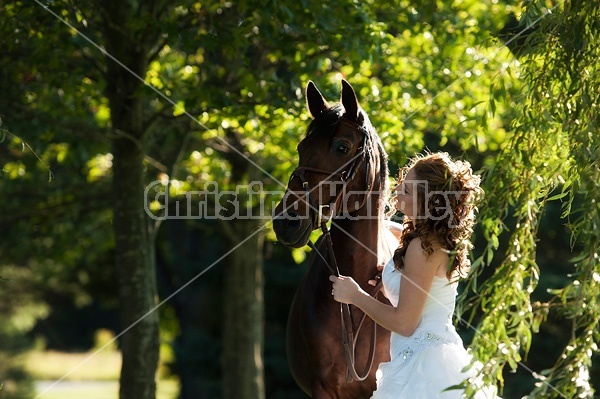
136,283
243,328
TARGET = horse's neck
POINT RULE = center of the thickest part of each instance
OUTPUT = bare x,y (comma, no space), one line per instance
355,243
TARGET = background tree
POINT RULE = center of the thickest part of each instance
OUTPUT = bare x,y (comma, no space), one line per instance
130,43
135,273
54,227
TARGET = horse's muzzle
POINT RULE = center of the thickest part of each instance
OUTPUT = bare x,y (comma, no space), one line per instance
291,228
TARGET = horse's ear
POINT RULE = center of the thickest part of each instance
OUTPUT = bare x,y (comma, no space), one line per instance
314,100
350,102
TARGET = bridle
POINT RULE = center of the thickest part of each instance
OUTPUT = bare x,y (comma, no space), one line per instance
349,336
344,177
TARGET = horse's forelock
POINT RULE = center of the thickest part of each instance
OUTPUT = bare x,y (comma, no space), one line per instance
326,120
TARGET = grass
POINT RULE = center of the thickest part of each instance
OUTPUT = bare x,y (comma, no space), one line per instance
50,365
90,375
166,389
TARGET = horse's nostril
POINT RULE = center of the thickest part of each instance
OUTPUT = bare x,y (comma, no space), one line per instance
292,214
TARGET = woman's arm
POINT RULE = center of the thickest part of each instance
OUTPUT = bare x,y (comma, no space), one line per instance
417,277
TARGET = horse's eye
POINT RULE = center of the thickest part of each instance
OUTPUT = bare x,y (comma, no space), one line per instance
342,149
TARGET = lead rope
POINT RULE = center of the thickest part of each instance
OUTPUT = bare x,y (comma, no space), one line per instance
349,339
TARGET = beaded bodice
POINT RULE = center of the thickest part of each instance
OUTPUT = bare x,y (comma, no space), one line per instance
435,326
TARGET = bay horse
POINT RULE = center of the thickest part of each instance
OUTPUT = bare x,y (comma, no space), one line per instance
341,177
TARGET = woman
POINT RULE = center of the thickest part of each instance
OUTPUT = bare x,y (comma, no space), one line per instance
436,195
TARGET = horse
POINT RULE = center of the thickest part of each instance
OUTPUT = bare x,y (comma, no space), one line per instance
341,177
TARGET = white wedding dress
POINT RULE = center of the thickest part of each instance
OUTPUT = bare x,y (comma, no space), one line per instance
423,365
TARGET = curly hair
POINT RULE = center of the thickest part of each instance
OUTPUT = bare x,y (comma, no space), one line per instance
446,194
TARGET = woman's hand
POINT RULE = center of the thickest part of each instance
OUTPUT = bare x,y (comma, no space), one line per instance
345,289
377,277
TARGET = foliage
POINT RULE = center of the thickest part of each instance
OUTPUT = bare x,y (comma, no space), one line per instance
421,76
552,154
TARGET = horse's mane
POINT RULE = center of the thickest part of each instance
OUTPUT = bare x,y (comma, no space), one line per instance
385,250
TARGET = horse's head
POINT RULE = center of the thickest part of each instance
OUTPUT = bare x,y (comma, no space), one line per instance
340,161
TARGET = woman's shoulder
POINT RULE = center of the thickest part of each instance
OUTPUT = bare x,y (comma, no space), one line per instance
415,253
417,243
416,250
